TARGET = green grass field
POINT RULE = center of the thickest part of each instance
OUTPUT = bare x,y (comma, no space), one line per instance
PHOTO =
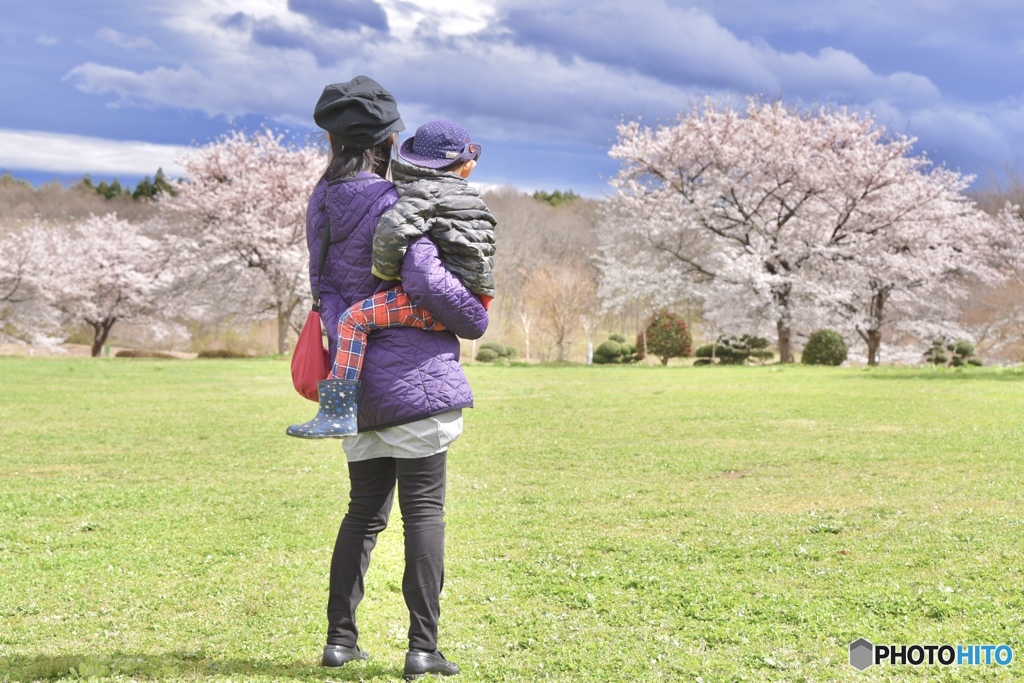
604,524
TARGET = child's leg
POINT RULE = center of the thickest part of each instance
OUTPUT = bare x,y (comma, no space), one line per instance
387,309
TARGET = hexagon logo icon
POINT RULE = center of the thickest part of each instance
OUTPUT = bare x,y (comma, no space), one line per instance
862,654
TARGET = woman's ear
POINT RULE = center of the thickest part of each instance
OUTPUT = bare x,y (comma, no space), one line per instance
467,168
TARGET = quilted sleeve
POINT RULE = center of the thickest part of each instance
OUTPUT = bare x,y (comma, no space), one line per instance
430,285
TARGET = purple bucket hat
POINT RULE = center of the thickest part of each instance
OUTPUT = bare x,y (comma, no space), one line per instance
438,144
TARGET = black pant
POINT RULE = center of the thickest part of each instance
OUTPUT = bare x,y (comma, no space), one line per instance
421,489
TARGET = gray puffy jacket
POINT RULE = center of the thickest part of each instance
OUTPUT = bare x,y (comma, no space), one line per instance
445,207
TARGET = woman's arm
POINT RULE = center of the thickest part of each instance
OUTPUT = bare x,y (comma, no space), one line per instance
430,285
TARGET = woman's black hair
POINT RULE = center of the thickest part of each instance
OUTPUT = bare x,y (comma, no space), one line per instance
347,161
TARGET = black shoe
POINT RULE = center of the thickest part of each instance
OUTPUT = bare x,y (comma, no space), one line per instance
339,655
419,663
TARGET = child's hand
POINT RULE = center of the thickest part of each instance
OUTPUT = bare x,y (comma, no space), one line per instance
377,274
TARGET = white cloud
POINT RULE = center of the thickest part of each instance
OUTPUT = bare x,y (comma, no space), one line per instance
553,67
836,73
446,18
38,151
914,21
183,87
118,39
688,46
557,71
47,41
972,139
508,90
977,137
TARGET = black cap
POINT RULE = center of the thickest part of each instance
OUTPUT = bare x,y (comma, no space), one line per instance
360,113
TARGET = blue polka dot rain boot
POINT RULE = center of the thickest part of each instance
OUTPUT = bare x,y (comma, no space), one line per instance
339,405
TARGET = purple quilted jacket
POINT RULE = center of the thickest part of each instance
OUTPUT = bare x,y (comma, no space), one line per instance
408,374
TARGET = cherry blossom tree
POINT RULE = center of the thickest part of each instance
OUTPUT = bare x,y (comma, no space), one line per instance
244,207
99,271
724,197
1008,232
906,268
15,256
637,270
778,215
23,317
999,320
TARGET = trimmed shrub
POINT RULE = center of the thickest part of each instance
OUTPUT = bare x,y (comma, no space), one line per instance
963,348
497,347
956,354
609,349
487,355
824,347
735,350
963,354
614,350
500,351
666,337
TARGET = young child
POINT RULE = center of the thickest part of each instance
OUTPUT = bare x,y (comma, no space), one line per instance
435,199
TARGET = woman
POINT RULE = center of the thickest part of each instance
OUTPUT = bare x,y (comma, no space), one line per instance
412,389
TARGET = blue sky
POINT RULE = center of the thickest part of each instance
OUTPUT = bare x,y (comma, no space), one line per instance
117,88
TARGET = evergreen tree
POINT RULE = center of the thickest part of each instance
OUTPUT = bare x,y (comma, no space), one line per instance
145,189
160,184
556,198
7,179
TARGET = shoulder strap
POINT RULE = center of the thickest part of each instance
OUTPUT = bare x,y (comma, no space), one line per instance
325,243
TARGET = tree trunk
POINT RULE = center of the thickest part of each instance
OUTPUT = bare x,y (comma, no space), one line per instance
785,347
784,324
874,335
282,333
874,341
100,332
284,324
